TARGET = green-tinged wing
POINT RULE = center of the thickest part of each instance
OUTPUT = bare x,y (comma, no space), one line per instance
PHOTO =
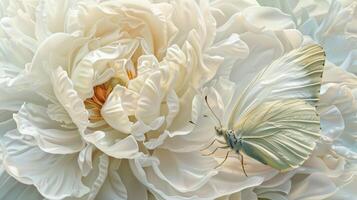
296,75
281,134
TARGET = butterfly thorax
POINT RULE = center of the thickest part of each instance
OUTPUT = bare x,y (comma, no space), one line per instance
231,137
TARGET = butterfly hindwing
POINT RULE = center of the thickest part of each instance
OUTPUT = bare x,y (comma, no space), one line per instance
280,133
296,75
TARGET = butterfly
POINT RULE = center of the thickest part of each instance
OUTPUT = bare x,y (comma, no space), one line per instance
274,120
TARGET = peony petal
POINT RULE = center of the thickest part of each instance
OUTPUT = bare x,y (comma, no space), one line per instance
11,189
68,97
97,176
10,28
49,57
176,61
42,169
56,112
350,62
147,65
122,184
50,20
225,88
16,88
114,112
204,66
345,192
140,128
113,187
85,162
334,74
226,8
119,148
149,103
278,180
189,137
41,29
232,49
238,24
13,56
332,123
6,122
192,175
134,188
173,106
346,149
189,110
32,120
187,16
269,18
315,186
154,143
279,192
219,185
245,194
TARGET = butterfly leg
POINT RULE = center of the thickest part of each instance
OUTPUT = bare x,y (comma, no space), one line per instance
214,151
221,142
209,145
242,164
224,160
215,140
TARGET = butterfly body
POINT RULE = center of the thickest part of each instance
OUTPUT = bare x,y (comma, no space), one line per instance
231,138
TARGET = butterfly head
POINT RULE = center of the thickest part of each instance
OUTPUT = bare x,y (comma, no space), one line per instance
220,131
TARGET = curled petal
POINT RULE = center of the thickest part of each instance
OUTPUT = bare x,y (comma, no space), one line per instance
69,99
42,169
150,99
119,148
114,112
32,120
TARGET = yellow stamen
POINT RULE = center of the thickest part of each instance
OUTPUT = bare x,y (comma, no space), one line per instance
95,103
131,72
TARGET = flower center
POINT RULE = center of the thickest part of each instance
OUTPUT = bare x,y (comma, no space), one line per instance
101,93
95,104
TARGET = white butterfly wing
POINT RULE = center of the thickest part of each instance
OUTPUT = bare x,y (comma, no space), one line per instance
280,133
275,115
296,75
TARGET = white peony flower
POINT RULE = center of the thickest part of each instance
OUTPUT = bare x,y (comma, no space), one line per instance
107,93
103,99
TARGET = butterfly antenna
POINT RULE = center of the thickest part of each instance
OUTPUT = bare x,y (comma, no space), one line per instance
214,114
242,163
